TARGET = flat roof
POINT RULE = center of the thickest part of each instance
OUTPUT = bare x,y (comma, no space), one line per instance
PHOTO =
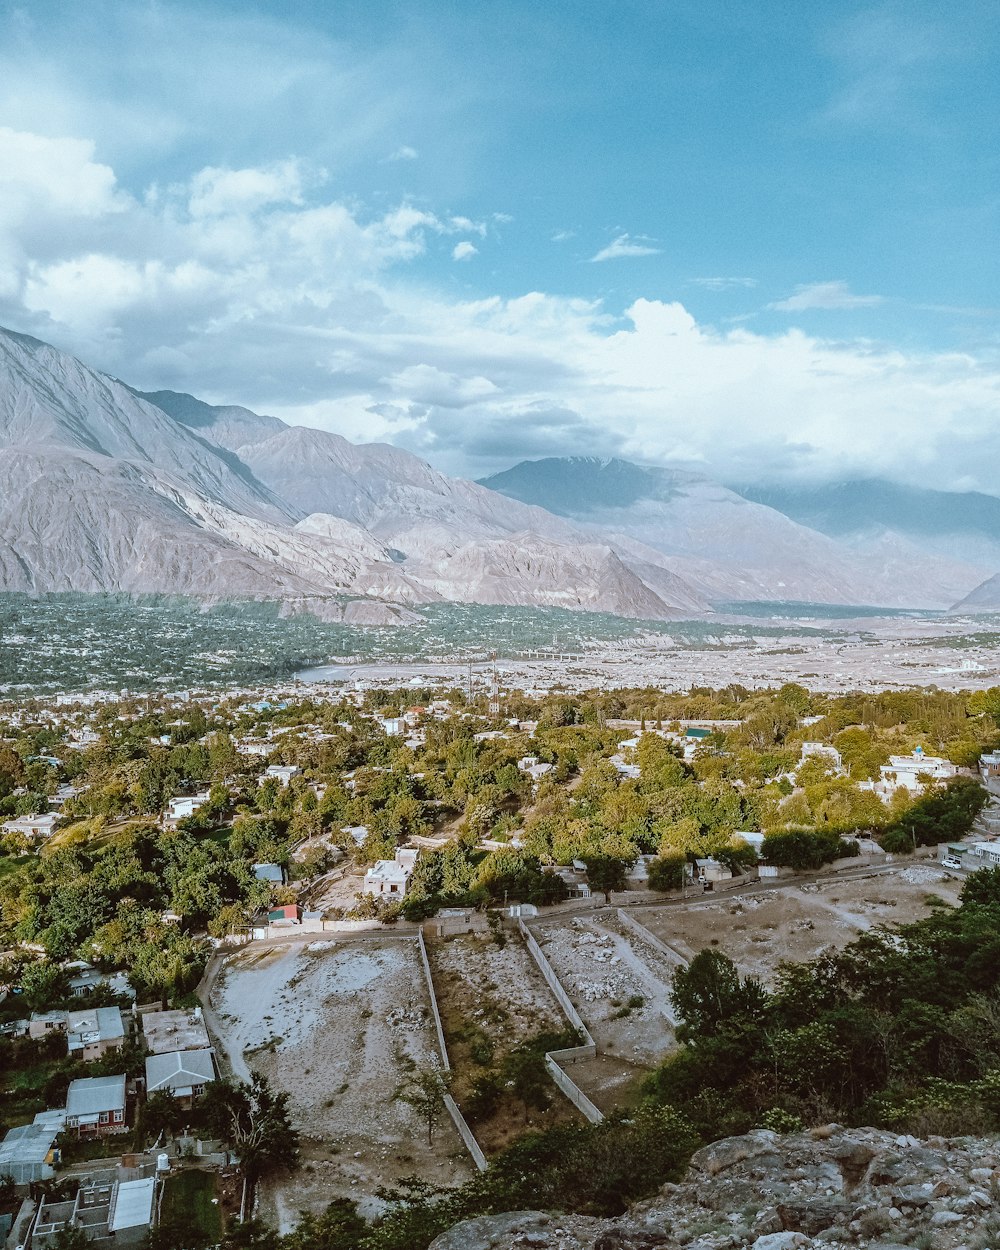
166,1031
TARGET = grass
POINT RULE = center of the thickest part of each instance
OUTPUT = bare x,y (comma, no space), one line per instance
187,1198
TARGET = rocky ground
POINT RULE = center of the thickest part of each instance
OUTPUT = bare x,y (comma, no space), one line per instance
800,921
826,1188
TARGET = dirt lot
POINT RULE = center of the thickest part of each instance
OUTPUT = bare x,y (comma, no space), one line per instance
491,1000
338,1025
799,922
619,985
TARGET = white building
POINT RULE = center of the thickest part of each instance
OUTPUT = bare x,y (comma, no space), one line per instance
36,827
905,771
390,877
184,806
280,772
824,751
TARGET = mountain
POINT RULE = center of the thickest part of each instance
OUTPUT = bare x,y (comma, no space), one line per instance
983,598
842,508
108,488
731,547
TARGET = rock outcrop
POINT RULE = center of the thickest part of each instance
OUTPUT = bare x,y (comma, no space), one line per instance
831,1187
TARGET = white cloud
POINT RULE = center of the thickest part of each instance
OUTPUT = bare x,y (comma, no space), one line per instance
825,295
215,192
464,250
272,295
722,284
625,245
405,153
563,236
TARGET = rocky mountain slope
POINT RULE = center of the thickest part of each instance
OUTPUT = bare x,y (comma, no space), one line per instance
730,547
105,488
833,1186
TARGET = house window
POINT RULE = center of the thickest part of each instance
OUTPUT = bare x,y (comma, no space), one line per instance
119,1116
104,1117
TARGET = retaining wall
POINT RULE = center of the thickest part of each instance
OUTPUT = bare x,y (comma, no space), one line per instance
554,1059
644,935
451,1106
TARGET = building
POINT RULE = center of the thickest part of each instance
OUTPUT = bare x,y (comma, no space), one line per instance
279,772
182,1073
823,751
907,771
389,877
989,769
111,1211
183,807
91,1034
28,1151
273,874
84,978
95,1105
165,1031
42,1023
37,828
751,838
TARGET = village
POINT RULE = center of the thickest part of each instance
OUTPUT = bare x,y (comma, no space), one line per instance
488,890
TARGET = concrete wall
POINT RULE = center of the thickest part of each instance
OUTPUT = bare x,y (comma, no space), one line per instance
451,1106
556,1059
644,935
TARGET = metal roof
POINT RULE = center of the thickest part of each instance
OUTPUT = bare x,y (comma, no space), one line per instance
132,1205
90,1095
179,1069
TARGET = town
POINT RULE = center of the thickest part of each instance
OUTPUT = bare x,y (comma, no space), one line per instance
368,916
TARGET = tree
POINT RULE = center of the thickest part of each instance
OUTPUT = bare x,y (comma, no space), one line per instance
425,1094
709,993
606,874
254,1120
667,872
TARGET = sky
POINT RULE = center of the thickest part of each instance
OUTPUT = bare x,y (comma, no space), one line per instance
757,240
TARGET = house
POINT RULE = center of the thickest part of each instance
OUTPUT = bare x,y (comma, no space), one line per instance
183,806
182,1073
529,764
711,871
823,751
358,833
42,1023
637,877
84,979
273,874
95,1105
393,726
389,877
34,827
28,1151
279,772
989,768
165,1031
91,1034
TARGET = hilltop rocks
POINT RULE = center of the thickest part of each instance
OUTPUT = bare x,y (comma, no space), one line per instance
831,1187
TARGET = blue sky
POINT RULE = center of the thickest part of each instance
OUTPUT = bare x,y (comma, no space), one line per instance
759,239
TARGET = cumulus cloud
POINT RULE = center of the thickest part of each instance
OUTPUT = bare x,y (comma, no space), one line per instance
253,285
404,153
825,295
625,245
464,250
